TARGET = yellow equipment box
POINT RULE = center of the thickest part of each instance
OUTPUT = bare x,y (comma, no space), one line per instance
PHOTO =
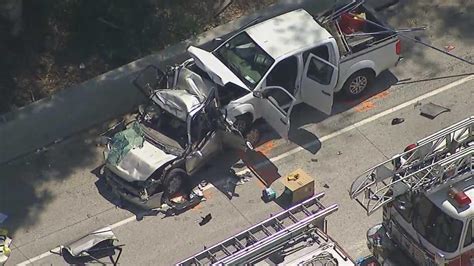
298,186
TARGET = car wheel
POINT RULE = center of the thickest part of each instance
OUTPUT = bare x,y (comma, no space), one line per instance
358,83
253,136
174,181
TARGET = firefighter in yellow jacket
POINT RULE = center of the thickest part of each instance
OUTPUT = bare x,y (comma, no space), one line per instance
5,243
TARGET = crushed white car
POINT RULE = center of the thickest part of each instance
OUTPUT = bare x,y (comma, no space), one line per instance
172,138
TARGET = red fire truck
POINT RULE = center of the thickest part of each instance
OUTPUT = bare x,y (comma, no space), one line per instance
426,195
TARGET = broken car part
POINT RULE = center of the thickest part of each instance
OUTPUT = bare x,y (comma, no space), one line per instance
431,110
92,247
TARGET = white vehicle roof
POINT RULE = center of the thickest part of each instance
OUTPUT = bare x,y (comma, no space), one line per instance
288,33
441,199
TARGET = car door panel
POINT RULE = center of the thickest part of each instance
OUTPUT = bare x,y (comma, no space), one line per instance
204,151
276,104
318,82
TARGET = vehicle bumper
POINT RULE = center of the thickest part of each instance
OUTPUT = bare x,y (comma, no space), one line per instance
384,249
125,192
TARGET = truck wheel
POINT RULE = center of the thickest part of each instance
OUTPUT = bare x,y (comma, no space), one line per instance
358,82
253,136
174,181
243,123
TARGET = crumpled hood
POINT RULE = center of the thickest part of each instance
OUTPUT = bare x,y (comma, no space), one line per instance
218,72
140,162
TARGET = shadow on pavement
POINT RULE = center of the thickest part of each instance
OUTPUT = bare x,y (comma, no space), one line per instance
449,23
29,184
303,115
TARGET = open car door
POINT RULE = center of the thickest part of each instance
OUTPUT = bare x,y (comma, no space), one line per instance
318,83
276,104
150,79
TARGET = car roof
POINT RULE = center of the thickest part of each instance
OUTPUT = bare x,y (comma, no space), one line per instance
288,33
442,200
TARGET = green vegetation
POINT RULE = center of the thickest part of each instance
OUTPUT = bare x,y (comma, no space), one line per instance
65,42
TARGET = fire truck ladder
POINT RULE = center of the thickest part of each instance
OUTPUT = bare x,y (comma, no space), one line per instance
422,167
265,237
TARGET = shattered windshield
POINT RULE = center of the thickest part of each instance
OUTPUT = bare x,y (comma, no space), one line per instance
123,142
245,59
440,229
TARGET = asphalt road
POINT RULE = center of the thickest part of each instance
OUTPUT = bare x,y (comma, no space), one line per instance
54,196
158,240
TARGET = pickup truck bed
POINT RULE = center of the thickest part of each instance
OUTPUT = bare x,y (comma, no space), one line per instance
373,51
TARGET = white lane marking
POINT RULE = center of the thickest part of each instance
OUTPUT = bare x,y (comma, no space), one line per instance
123,222
308,145
44,255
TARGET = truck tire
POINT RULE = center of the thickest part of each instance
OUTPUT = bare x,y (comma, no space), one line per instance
358,83
243,123
174,181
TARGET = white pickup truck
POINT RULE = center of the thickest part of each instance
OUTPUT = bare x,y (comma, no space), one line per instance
265,69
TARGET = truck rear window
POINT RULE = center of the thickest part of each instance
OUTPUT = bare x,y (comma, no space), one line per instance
438,228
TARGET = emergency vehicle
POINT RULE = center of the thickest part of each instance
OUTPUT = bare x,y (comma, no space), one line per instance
296,236
426,195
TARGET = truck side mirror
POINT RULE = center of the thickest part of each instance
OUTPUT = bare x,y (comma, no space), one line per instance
257,94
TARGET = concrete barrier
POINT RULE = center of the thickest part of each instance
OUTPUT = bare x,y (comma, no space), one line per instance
106,96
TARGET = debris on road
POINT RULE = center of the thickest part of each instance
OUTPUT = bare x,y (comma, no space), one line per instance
339,152
431,110
241,178
397,120
205,219
268,194
314,160
91,248
326,186
449,48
